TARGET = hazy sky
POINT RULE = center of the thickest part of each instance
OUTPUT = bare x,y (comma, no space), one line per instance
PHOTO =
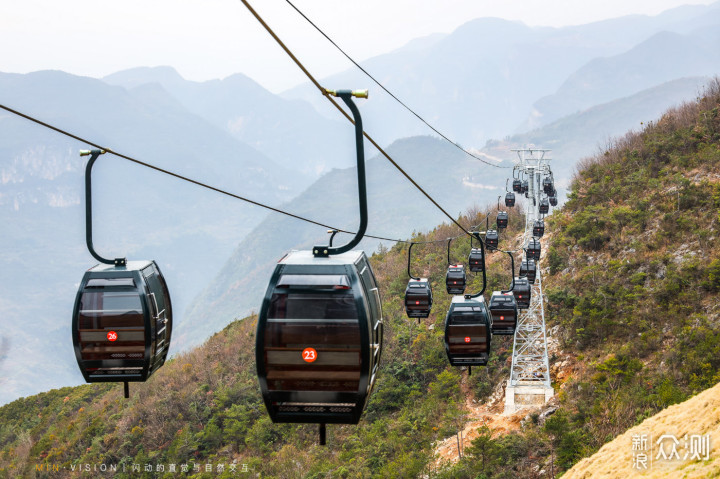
215,38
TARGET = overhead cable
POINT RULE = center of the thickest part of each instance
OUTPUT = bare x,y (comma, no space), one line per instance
195,182
324,92
390,93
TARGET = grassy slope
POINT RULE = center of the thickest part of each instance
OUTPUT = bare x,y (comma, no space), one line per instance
635,275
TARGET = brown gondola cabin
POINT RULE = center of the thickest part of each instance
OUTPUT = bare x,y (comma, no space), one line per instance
122,322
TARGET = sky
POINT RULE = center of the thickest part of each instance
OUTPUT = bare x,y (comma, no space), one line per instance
209,39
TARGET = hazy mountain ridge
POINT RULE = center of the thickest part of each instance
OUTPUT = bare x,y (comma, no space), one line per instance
661,58
461,82
585,133
289,132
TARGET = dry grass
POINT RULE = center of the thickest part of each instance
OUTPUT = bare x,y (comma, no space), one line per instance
699,415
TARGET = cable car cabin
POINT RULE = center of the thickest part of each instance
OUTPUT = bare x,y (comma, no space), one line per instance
533,249
476,261
510,199
502,220
122,322
522,292
524,186
455,279
517,186
528,270
538,228
319,338
418,298
547,185
553,199
468,328
544,206
492,238
504,313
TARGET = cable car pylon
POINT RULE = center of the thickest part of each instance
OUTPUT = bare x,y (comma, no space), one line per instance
529,383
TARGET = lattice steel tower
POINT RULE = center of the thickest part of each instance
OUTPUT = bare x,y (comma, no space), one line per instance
529,383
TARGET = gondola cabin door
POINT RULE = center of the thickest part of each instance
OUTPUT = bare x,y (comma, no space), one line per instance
159,302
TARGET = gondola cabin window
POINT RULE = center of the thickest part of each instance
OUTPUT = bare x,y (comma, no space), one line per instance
105,308
312,340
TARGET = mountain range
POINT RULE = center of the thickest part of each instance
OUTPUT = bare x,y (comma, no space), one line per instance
491,82
486,80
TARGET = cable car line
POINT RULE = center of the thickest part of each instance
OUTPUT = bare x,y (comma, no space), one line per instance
190,180
389,92
205,185
327,94
167,172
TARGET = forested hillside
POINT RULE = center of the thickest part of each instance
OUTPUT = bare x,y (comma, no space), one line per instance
635,274
632,275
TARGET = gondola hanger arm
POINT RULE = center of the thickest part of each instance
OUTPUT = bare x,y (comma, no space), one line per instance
346,96
408,268
512,273
476,234
94,154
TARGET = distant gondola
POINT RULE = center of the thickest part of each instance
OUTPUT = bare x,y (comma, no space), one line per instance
547,185
553,198
533,249
476,258
455,279
538,228
468,328
544,207
476,262
502,220
418,294
418,298
492,239
522,292
504,311
528,270
510,199
517,186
